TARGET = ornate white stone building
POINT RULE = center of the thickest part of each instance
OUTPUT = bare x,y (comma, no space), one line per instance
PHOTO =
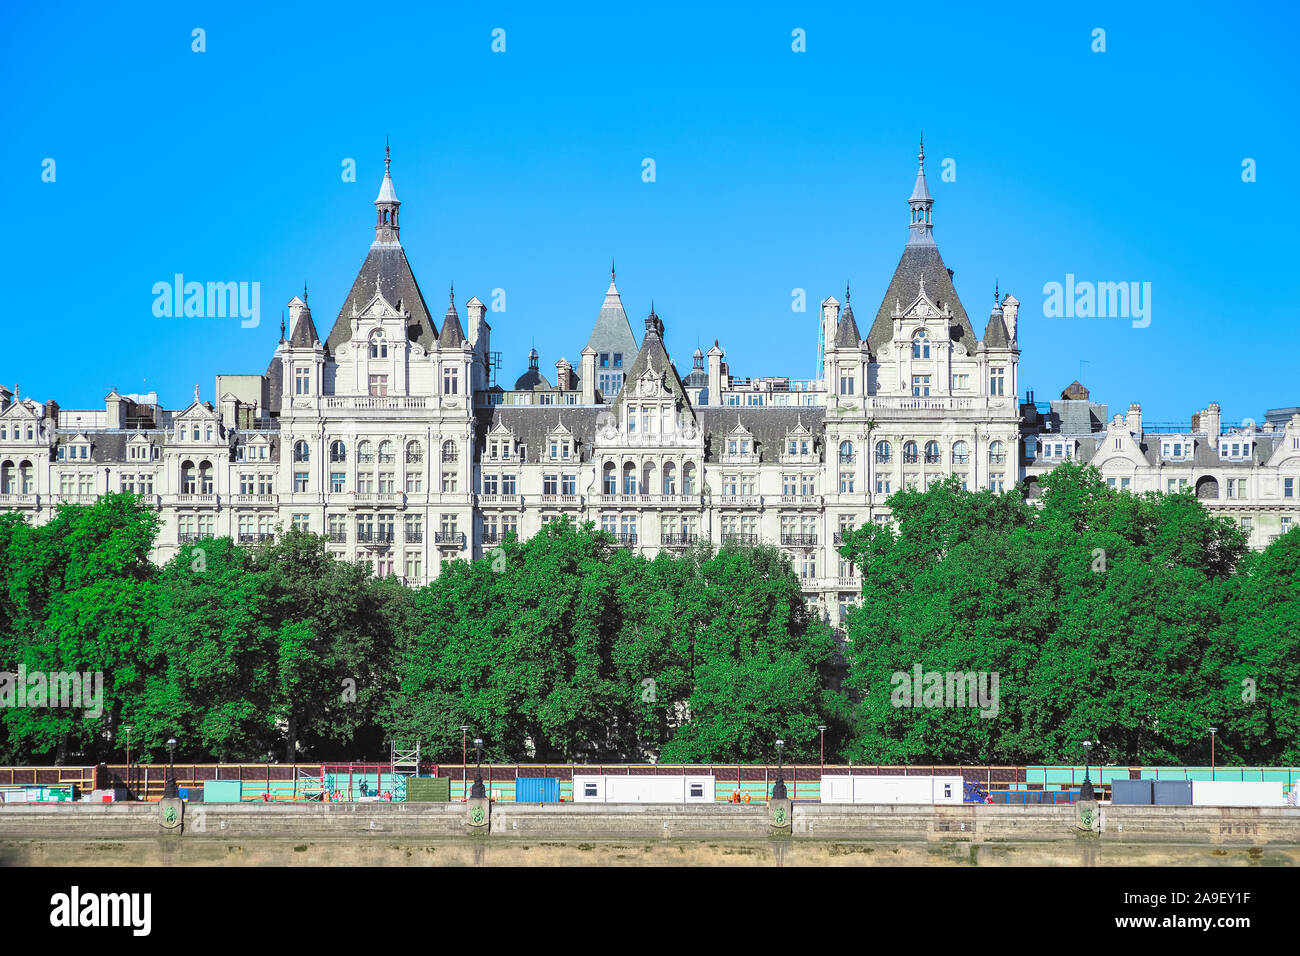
391,437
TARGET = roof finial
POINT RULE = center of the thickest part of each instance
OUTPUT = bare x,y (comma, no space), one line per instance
921,156
611,270
387,158
281,325
304,291
996,297
196,394
846,291
452,294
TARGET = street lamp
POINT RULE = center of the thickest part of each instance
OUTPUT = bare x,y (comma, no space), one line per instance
1213,731
126,729
477,792
1085,792
821,729
464,738
778,791
169,790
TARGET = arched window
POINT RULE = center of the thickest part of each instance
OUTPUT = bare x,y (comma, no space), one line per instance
7,478
629,479
196,433
648,479
931,452
670,478
688,478
188,478
884,451
997,453
449,450
338,452
909,453
26,484
300,451
386,454
846,452
365,452
921,344
960,453
205,477
378,344
414,453
609,480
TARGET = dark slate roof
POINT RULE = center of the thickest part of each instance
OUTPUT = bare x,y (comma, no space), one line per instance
612,331
530,424
995,333
903,288
847,335
386,263
532,380
652,355
274,386
453,336
769,424
304,331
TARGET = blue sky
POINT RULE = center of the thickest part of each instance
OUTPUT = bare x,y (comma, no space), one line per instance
775,170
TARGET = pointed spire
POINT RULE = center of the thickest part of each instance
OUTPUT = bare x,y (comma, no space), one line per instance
304,291
386,204
920,204
452,335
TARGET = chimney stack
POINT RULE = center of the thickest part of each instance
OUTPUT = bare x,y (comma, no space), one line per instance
1010,306
1211,422
1134,420
588,365
715,374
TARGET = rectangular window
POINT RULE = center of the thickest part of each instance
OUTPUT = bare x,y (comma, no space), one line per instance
302,381
568,484
618,360
450,380
997,381
961,381
414,482
489,484
379,385
302,522
414,566
338,481
920,385
550,485
1288,487
449,483
604,360
508,485
883,485
300,481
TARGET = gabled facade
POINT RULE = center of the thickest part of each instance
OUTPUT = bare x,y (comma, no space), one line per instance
388,437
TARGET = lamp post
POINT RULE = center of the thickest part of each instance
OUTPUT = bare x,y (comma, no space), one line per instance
126,729
464,762
1213,731
169,789
778,790
1085,792
477,792
821,729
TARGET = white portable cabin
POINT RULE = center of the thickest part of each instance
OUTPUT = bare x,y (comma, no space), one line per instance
643,788
1237,793
842,788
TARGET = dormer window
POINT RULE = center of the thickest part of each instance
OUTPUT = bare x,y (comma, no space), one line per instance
1234,450
921,345
378,345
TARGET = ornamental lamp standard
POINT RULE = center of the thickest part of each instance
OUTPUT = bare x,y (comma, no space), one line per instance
821,729
169,789
778,791
126,729
1085,792
477,792
1213,731
464,762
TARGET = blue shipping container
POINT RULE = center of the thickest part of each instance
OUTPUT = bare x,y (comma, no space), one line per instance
537,790
1131,792
1172,792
